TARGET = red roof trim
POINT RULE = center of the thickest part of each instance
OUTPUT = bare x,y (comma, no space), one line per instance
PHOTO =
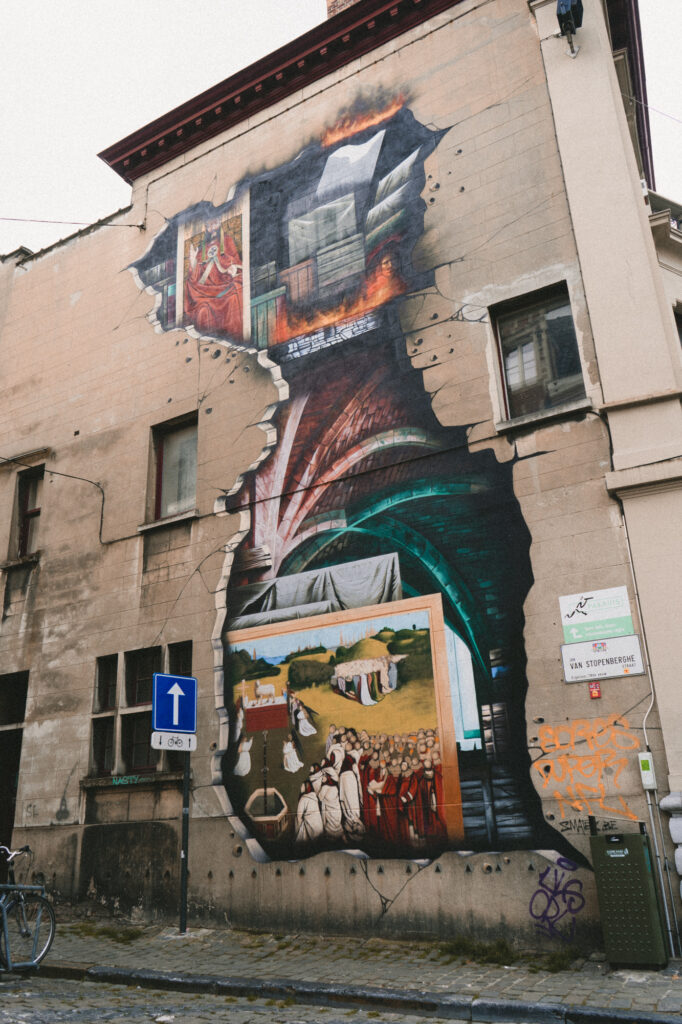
325,48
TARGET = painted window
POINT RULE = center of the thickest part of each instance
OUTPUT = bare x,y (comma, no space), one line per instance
29,506
539,352
176,469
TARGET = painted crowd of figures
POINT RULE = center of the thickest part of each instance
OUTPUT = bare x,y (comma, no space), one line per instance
388,788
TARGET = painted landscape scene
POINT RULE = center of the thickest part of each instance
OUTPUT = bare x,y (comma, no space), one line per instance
336,739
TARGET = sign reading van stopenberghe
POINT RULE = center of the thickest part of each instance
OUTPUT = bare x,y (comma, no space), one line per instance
602,659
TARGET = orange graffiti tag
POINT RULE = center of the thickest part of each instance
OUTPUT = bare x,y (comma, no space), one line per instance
578,757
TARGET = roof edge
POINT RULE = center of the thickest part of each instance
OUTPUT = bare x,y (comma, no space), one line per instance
323,49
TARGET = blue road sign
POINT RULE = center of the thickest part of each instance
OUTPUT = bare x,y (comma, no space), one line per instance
174,703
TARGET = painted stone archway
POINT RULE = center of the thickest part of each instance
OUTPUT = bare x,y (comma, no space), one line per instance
374,663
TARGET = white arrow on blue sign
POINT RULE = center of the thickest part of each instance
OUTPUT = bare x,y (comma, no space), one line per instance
174,703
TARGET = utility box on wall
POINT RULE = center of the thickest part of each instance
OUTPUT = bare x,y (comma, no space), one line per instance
628,901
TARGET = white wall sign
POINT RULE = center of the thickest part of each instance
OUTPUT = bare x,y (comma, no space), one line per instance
595,614
602,659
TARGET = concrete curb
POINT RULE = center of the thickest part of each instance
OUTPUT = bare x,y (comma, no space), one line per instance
415,1001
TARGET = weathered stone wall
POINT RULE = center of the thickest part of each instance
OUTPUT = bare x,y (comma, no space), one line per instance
87,377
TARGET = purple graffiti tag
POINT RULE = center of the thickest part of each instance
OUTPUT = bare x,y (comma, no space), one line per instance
558,898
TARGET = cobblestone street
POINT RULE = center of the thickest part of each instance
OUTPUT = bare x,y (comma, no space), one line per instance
111,971
36,1000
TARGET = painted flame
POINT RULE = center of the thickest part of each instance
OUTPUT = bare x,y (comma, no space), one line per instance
351,124
383,284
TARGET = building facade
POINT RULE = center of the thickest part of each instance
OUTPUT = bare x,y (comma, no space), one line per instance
360,415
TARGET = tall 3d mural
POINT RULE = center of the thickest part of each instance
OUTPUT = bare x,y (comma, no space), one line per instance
374,662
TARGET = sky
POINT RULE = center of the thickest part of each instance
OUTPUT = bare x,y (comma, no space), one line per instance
77,76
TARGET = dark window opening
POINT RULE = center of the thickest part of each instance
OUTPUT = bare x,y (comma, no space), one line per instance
103,746
29,500
539,352
13,691
180,658
179,664
136,732
140,667
105,694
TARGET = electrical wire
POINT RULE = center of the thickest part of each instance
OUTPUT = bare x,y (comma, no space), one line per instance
79,223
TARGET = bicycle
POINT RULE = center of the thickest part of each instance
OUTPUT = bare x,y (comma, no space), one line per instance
27,921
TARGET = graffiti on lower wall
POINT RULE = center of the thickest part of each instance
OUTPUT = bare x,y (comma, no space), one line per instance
582,762
557,901
365,500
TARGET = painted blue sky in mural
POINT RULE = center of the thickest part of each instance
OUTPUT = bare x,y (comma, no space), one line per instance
340,634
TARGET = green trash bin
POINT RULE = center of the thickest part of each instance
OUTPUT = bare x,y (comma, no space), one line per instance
629,906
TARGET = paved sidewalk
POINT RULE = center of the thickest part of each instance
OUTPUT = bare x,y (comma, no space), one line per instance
417,977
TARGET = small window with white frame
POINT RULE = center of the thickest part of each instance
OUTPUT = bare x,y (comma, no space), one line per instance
538,352
175,468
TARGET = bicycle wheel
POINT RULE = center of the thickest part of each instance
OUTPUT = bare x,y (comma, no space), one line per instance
30,927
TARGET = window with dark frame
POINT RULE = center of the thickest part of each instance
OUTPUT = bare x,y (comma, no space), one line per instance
179,664
175,450
140,667
30,486
136,731
103,745
131,751
105,683
180,658
13,693
538,352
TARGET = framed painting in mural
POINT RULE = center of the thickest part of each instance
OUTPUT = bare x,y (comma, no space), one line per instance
342,732
212,286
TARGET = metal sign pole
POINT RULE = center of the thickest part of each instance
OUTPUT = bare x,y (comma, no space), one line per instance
185,846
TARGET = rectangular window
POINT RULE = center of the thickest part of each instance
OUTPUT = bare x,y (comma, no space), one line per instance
539,352
103,745
140,667
121,723
13,691
180,658
29,504
176,469
136,732
179,664
105,686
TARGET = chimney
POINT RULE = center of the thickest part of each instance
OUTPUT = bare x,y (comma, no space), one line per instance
334,6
